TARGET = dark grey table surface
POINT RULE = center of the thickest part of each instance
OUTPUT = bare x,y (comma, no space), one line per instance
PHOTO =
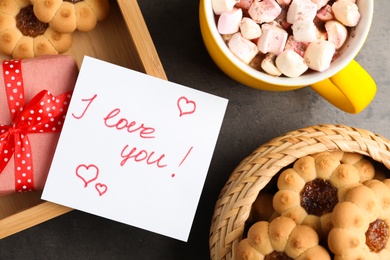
252,118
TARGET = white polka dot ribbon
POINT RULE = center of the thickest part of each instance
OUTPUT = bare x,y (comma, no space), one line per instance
45,113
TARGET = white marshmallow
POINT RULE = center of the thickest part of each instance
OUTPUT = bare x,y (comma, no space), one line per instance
273,39
264,11
304,31
269,66
346,12
337,33
229,22
222,6
244,49
291,64
304,10
320,3
249,29
319,54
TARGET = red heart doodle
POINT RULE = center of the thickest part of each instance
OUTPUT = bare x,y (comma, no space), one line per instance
186,106
87,173
101,188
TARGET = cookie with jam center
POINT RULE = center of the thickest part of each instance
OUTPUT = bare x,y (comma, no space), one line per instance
23,35
66,16
310,189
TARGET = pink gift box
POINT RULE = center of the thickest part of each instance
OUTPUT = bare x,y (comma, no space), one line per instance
58,75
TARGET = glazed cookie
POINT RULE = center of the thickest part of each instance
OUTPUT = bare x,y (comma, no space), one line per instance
68,15
281,238
310,190
361,223
22,35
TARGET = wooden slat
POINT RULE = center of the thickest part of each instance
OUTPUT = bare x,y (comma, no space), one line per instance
30,217
141,38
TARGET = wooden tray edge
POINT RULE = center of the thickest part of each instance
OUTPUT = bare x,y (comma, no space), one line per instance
152,66
30,217
141,38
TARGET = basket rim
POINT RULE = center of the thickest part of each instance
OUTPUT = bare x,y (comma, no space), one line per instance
255,171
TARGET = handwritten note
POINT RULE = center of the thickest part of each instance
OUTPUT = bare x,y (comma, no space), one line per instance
135,149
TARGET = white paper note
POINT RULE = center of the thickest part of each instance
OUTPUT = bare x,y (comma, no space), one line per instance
135,149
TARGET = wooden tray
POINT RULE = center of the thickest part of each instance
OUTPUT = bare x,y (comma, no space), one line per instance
123,39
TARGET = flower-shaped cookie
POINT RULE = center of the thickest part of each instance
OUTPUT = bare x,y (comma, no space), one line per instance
22,35
281,238
262,208
68,15
361,223
310,190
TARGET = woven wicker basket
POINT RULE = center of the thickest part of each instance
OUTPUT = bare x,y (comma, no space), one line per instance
255,172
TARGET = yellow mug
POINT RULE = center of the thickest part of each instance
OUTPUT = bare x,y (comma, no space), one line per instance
345,84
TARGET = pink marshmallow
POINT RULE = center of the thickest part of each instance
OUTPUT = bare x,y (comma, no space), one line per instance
304,10
264,11
244,4
272,40
244,49
229,22
325,13
298,47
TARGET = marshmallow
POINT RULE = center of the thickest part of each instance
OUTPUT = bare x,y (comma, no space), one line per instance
337,33
298,47
244,49
229,22
346,12
291,64
320,3
304,31
222,6
244,4
319,54
269,66
249,29
264,11
304,10
273,39
325,13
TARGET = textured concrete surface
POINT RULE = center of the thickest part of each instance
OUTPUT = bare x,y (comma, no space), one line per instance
253,117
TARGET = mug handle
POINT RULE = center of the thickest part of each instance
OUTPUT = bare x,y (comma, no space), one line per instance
352,89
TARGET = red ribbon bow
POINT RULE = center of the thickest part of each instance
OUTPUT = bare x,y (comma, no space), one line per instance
44,113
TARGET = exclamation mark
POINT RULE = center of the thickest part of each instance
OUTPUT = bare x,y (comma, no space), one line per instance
185,157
